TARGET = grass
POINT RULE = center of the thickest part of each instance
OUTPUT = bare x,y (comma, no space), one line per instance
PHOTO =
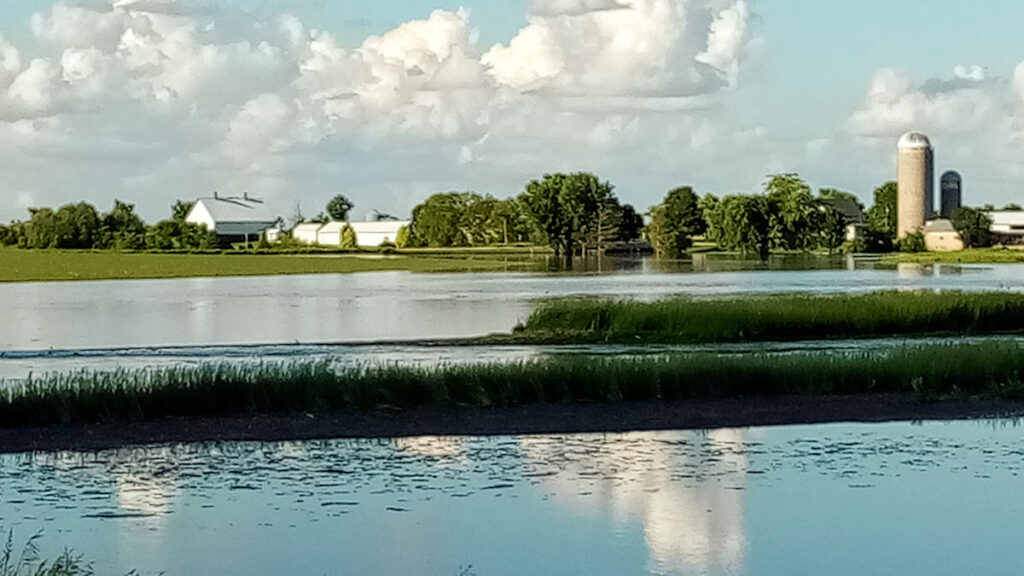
28,563
314,386
970,256
46,265
773,317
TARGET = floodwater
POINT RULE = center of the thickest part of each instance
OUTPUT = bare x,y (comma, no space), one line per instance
392,306
931,498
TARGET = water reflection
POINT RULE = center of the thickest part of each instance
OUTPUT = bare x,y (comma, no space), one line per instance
723,503
690,505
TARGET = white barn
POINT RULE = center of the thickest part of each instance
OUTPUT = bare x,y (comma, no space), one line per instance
330,234
1008,224
306,232
232,219
379,232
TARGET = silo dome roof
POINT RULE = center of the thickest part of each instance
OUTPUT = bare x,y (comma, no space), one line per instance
951,175
915,140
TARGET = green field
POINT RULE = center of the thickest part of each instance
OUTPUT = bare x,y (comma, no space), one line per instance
772,317
992,368
972,256
34,265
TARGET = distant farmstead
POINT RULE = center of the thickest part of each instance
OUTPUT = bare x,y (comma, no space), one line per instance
233,219
369,234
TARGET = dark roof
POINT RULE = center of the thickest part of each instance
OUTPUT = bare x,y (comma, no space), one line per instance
848,207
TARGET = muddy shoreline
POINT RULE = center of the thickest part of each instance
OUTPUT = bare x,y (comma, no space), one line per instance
534,419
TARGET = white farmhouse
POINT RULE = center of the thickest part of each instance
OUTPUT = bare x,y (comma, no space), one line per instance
233,219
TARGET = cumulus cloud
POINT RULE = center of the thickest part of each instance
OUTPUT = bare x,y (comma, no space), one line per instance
632,47
180,98
894,104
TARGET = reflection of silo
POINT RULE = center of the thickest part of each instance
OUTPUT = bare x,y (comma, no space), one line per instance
952,193
916,182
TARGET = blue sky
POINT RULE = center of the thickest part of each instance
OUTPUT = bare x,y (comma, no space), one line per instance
714,93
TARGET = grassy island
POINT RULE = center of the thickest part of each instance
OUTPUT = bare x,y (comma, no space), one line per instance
773,317
214,390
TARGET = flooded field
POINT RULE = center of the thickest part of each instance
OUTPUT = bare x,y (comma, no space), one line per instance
926,499
393,306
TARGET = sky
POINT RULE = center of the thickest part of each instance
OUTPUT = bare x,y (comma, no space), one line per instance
151,101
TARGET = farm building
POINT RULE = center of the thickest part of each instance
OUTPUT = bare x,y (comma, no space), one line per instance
233,219
379,232
1008,226
306,232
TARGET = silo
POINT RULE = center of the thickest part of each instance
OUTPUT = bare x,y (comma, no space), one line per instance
916,184
952,193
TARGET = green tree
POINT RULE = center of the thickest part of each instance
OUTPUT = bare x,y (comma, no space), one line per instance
880,235
747,224
403,237
567,208
40,231
913,242
77,226
122,229
974,226
631,225
679,217
339,207
180,210
792,210
438,221
348,240
831,228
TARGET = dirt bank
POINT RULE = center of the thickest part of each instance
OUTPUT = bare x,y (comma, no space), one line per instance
537,419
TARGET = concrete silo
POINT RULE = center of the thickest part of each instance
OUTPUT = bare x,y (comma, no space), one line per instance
916,184
952,193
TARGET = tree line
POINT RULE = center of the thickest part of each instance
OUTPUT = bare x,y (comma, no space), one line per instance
82,226
572,213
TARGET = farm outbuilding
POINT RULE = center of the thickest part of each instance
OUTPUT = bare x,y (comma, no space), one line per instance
306,232
379,232
233,219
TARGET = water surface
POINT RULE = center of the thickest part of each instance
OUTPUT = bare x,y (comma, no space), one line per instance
933,498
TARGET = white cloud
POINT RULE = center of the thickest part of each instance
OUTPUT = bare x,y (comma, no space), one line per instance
894,105
157,99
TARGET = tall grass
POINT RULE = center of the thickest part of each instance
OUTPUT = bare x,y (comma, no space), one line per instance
27,562
775,317
314,386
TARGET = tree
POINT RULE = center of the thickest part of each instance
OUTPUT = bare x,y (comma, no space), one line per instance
403,237
180,210
437,222
974,226
122,229
567,208
831,228
631,225
679,218
744,224
913,242
339,207
77,226
792,210
880,235
1012,207
348,240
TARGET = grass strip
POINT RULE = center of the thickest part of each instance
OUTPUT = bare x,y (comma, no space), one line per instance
315,386
56,265
773,317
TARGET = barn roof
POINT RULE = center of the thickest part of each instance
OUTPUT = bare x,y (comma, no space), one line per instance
238,210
